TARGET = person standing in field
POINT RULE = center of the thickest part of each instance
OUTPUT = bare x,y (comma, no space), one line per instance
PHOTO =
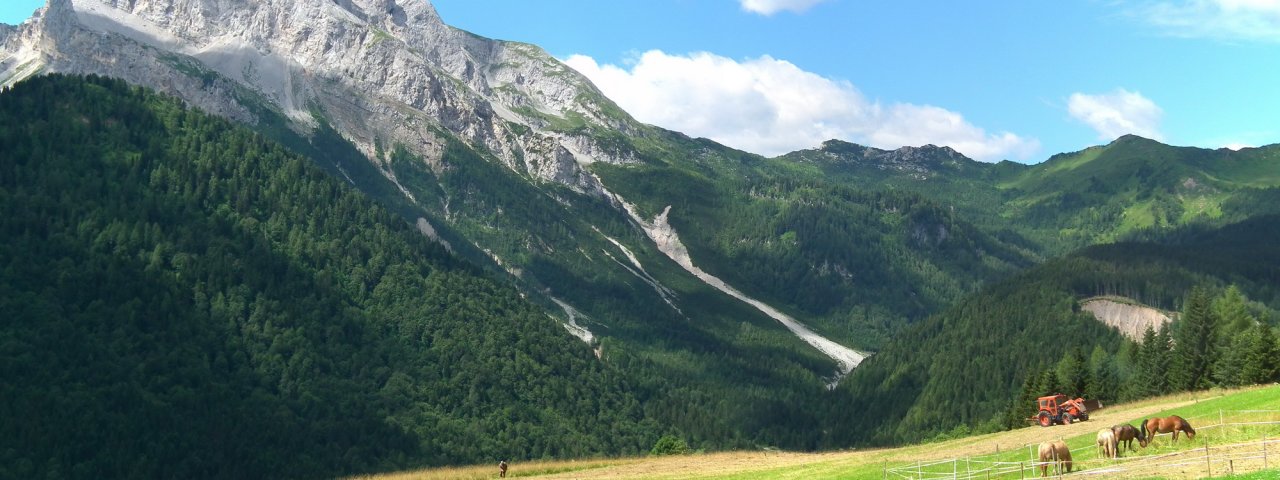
502,469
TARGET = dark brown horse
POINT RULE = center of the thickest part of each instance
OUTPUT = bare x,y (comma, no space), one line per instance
1125,434
1174,423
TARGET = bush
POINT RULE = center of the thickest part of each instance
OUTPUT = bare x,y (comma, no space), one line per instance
669,445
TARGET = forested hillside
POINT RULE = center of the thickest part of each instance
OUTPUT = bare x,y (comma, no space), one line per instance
182,298
966,366
856,263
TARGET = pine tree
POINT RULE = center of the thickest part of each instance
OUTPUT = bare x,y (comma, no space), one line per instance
1233,312
1073,373
1154,359
1104,382
1049,383
1024,405
1196,348
1236,336
1259,364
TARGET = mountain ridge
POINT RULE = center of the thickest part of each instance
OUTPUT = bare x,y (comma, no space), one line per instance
520,166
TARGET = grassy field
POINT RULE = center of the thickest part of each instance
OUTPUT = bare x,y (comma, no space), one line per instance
1231,426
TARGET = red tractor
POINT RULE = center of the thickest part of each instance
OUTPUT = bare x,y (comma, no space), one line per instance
1060,409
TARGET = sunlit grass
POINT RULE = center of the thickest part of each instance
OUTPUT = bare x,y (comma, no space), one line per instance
970,454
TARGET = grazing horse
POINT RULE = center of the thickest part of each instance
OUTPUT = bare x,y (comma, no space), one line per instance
1057,453
1125,434
1107,443
1174,423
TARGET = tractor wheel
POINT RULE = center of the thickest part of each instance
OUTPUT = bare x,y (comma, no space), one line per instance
1066,419
1045,420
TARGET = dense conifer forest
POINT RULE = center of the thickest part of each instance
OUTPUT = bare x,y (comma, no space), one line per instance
975,366
182,298
185,297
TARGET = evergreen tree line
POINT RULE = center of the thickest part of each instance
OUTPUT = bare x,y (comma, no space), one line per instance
181,298
973,366
1218,340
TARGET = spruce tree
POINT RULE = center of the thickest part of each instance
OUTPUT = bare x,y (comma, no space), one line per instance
1196,348
1068,372
1259,364
1103,382
1024,405
1233,312
1154,359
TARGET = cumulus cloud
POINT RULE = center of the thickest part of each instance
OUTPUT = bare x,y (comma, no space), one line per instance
770,106
1253,20
770,7
1117,113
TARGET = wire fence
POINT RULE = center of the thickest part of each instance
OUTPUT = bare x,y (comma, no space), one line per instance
1203,460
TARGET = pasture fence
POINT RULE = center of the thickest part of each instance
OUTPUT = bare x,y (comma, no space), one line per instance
1202,460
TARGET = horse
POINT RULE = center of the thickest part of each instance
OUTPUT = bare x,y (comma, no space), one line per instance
1125,434
1057,453
1107,443
1173,423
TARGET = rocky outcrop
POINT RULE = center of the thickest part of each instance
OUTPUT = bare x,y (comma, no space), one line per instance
919,162
379,71
1129,318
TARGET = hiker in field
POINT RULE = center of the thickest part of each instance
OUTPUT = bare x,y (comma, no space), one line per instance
502,469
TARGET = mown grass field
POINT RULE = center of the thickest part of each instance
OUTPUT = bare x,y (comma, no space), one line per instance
1252,415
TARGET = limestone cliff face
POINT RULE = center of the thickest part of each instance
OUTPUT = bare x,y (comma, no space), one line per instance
1127,316
379,71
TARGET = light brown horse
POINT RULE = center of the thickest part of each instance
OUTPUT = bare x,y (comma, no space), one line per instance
1107,443
1057,453
1125,434
1173,423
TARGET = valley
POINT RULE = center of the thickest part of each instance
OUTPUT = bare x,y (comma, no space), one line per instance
974,454
308,238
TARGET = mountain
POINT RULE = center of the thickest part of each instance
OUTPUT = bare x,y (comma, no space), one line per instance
520,164
1136,187
493,148
732,294
182,297
963,366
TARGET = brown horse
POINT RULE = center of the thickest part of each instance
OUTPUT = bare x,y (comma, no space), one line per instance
1174,423
1125,434
1057,454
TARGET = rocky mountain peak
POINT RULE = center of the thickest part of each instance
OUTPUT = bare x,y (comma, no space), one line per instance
380,72
920,161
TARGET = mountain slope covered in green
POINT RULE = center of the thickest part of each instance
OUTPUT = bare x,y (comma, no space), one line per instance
966,365
183,298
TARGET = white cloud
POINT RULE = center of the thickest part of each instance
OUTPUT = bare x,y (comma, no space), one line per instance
1117,113
1254,20
770,7
771,106
1237,146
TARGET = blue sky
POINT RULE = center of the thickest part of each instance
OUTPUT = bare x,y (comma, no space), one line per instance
1020,79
